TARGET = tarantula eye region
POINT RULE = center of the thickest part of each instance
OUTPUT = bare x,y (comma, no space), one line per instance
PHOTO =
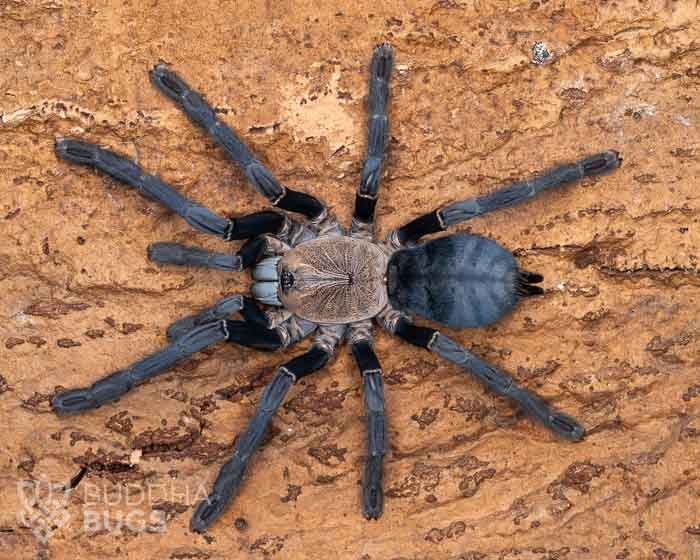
286,280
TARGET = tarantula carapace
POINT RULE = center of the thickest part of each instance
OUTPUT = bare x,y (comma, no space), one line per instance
313,277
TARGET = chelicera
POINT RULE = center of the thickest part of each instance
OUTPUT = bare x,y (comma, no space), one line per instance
312,277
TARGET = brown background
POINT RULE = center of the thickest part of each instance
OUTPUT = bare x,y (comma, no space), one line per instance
614,341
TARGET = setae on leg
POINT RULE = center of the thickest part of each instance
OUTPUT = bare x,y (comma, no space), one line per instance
220,310
510,195
121,382
496,380
231,474
150,186
202,114
168,252
372,481
377,132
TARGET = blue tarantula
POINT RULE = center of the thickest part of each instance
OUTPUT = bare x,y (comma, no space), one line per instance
313,277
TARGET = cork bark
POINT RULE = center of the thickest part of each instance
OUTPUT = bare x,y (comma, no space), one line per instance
614,341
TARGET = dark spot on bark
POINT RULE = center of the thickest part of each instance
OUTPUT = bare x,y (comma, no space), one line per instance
453,531
54,308
81,436
327,479
473,409
692,392
268,545
469,485
190,554
426,417
330,455
170,509
177,443
293,492
94,333
113,466
13,341
527,374
128,328
683,153
67,343
206,404
120,423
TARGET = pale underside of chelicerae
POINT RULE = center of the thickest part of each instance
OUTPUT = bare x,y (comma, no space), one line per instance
312,277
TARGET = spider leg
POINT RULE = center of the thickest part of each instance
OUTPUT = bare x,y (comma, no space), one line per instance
167,252
201,113
496,380
120,382
372,492
153,187
509,195
253,314
220,310
377,130
231,474
268,335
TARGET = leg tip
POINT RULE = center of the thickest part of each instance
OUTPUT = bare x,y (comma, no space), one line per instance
71,402
208,511
602,163
383,49
372,493
167,82
614,159
153,251
566,427
160,68
382,61
75,151
371,513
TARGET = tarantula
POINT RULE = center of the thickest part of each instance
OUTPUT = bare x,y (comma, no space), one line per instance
313,277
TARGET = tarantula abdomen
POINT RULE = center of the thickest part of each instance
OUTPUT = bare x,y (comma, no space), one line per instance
461,280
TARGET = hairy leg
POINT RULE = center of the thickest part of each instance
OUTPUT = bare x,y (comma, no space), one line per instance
377,132
510,195
372,491
496,380
231,474
168,252
150,186
201,113
220,310
120,382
